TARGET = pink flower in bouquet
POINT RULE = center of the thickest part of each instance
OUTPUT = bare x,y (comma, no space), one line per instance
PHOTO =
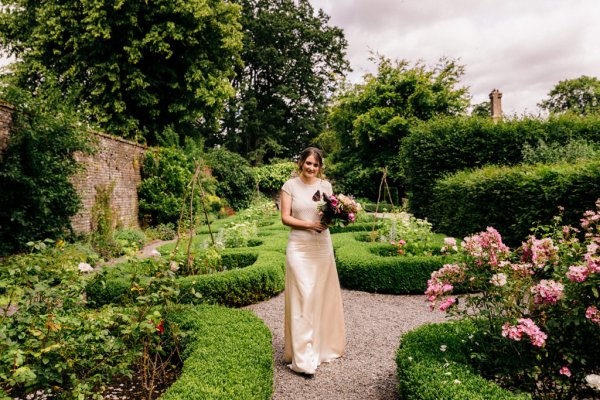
338,209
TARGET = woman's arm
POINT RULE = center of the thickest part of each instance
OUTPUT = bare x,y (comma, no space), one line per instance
287,219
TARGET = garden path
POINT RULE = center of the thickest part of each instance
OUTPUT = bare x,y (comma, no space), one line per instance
374,323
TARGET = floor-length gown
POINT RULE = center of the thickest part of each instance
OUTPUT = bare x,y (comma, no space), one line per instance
314,318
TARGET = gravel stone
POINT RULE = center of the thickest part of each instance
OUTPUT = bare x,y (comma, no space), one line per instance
374,323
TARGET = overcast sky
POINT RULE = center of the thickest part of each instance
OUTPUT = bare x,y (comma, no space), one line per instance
521,47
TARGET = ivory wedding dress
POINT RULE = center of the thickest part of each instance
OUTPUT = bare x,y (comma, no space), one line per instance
314,318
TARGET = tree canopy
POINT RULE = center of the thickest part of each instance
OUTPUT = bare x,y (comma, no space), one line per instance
138,69
580,96
368,121
292,59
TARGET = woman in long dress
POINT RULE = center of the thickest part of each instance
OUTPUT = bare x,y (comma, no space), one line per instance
314,318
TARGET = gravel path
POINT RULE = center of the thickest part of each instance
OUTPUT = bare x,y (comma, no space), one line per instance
374,323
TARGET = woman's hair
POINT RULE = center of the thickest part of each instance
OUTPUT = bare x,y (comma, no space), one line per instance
311,151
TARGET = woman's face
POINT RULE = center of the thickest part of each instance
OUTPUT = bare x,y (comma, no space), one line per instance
310,167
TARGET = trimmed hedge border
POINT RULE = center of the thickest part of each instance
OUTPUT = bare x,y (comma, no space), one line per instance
511,199
234,288
360,269
432,364
227,355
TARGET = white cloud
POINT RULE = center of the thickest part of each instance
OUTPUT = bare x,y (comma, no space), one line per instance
523,48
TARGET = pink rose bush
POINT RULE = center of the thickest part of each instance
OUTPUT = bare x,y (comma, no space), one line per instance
538,305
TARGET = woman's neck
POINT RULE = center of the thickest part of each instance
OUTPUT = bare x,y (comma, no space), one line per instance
308,181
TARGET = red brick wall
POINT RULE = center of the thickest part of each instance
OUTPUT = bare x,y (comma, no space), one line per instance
117,162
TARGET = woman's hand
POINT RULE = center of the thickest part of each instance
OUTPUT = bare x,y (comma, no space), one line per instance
317,226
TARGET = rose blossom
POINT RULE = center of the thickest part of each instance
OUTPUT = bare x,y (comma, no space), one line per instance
447,303
547,292
577,273
565,371
498,279
593,314
528,327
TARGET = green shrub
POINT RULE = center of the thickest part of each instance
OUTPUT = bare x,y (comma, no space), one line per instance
235,287
360,269
270,178
162,232
569,152
512,200
52,327
234,175
38,198
432,364
227,355
447,145
166,174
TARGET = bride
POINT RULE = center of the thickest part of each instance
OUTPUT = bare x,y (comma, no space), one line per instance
314,319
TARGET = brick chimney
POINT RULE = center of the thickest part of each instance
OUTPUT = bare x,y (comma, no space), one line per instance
496,102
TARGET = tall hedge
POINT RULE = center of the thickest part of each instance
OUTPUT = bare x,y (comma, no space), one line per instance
513,199
447,145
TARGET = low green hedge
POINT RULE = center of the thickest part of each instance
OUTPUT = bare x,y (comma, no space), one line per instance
227,355
512,199
433,364
360,269
235,287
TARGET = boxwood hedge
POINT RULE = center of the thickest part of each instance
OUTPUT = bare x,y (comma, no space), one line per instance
432,364
235,287
227,355
359,268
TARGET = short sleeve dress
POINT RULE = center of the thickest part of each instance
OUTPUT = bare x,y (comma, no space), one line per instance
314,318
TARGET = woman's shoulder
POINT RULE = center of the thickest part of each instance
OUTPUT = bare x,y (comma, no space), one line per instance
327,185
289,184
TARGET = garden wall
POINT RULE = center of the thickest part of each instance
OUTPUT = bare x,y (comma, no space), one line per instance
116,161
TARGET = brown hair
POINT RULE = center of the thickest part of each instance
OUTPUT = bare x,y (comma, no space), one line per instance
316,153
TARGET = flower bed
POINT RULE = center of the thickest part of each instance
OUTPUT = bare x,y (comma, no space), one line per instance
361,268
237,287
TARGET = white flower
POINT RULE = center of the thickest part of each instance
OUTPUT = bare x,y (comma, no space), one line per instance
443,347
410,358
85,267
155,253
498,279
456,382
593,381
174,266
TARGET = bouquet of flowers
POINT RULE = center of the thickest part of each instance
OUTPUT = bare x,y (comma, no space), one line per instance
338,209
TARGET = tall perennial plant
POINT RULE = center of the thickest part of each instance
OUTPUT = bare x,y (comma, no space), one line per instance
537,307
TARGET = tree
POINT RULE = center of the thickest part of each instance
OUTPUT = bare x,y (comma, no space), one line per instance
140,69
483,109
368,121
292,59
580,96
